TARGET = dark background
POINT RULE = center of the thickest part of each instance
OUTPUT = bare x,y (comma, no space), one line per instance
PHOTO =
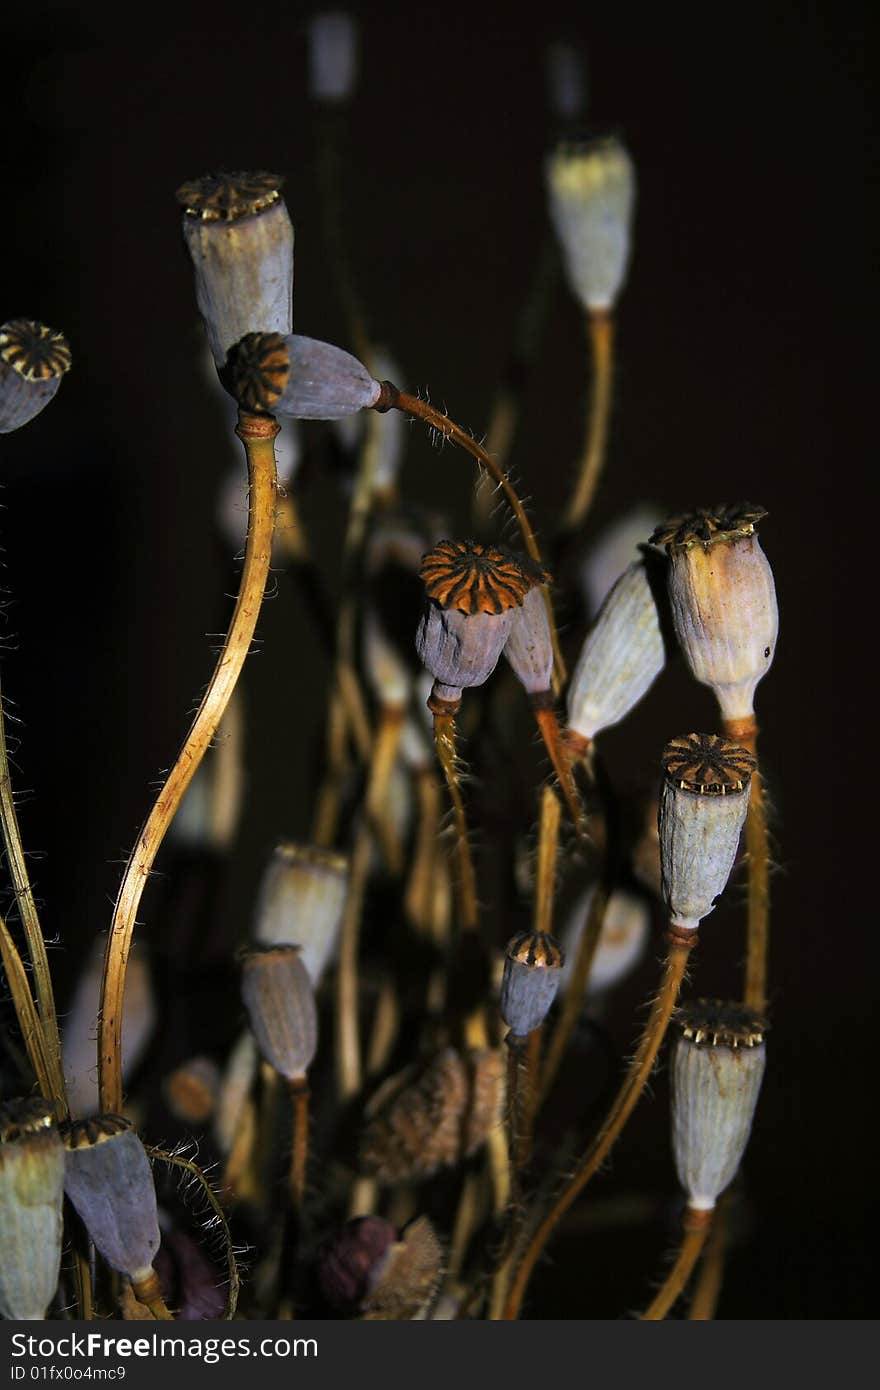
736,329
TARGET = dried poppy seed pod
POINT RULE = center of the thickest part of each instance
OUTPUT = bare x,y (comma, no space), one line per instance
301,901
723,601
703,808
108,1179
280,1001
532,972
239,236
332,56
717,1067
473,591
31,1198
409,1277
621,657
33,359
286,374
625,931
529,648
351,1263
191,1090
592,191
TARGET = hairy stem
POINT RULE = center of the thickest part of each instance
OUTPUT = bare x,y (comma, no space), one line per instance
697,1225
466,883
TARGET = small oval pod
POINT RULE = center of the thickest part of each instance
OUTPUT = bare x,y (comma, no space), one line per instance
532,972
239,236
302,377
591,190
33,359
717,1068
621,657
723,599
280,1001
301,901
108,1179
703,807
31,1200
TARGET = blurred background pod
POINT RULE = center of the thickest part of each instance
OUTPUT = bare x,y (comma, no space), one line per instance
301,901
703,807
717,1067
287,374
107,1177
33,359
280,1000
409,1278
31,1202
532,974
332,56
351,1262
238,1079
79,1026
723,598
591,189
209,814
239,236
626,928
191,1090
616,547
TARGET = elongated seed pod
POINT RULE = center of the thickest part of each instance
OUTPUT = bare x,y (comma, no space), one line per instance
108,1179
33,359
532,973
717,1068
280,1001
626,928
591,190
238,1078
302,377
703,808
301,901
31,1199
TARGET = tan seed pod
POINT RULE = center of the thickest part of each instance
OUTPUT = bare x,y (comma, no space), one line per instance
486,1111
31,1197
410,1276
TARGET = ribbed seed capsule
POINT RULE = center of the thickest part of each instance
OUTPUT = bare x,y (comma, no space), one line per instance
301,901
280,1001
286,374
109,1181
33,359
703,807
532,973
717,1067
240,238
723,599
592,189
31,1197
621,657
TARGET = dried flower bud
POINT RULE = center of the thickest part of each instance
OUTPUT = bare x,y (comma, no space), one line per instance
240,238
304,377
723,601
301,902
703,808
532,972
592,192
625,931
332,56
191,1090
108,1179
621,657
280,1001
33,359
717,1067
31,1197
409,1278
350,1264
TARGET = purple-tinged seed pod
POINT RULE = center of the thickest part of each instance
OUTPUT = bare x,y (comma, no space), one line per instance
717,1068
108,1179
532,972
280,1001
239,236
703,808
592,189
409,1278
301,901
332,56
303,377
33,359
351,1263
31,1199
529,648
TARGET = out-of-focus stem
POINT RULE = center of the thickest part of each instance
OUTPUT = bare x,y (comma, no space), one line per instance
711,1272
573,998
600,328
745,733
466,884
257,433
697,1224
548,724
299,1153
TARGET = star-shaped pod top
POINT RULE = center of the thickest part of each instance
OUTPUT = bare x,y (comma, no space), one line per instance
708,764
33,359
470,578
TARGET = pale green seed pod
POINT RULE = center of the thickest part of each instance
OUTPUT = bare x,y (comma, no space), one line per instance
716,1073
301,901
286,374
723,599
31,1201
703,808
110,1183
592,189
239,236
280,1001
621,657
33,359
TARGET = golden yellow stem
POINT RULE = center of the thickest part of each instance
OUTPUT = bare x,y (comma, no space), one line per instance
621,1109
28,1019
696,1229
466,883
548,723
600,327
257,433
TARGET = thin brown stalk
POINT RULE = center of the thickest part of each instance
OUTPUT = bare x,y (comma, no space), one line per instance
745,733
466,882
299,1153
696,1229
257,433
710,1276
600,328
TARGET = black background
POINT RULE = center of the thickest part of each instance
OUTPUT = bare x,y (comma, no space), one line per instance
736,329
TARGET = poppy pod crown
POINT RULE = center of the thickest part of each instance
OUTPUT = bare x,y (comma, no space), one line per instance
33,359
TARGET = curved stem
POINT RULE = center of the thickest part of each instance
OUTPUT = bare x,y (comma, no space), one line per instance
600,326
696,1229
25,1009
444,740
621,1109
178,1161
257,433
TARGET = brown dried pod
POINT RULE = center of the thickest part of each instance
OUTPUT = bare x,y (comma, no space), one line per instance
31,1197
191,1090
280,1001
33,359
350,1263
410,1276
